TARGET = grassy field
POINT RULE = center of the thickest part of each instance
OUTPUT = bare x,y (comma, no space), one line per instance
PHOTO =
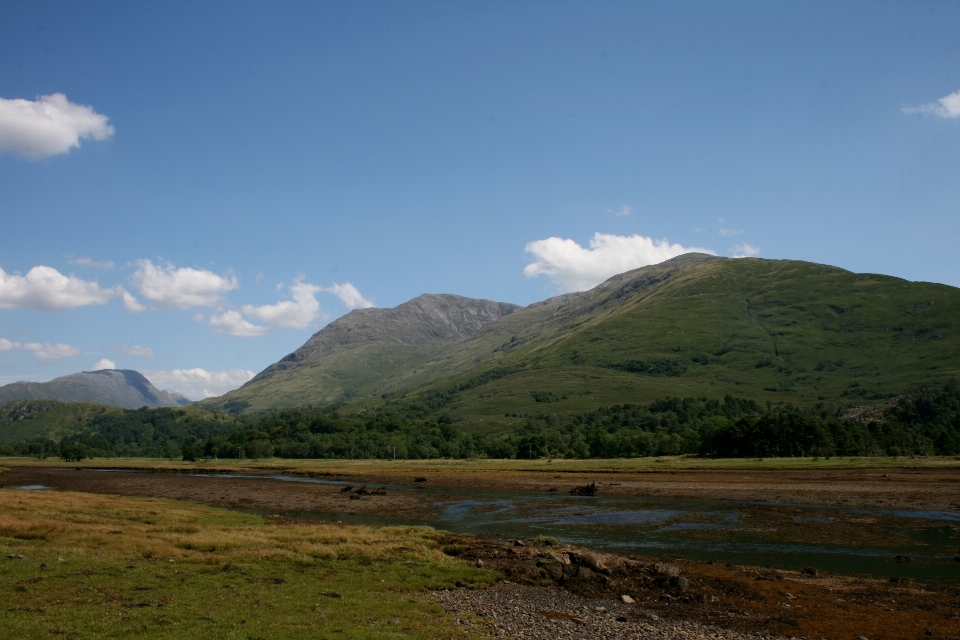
82,565
507,467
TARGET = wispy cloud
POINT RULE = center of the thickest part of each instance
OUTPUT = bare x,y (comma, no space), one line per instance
47,351
168,287
87,262
290,314
102,364
232,322
8,345
625,210
730,232
145,352
197,384
48,126
744,250
349,295
945,107
575,268
46,289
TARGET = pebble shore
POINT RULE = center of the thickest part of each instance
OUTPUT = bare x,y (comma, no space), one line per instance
510,610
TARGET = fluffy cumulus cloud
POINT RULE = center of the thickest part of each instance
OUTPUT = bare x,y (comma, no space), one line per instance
130,303
48,351
197,384
290,314
168,287
145,352
744,250
7,345
48,126
233,323
575,268
46,289
945,107
102,364
349,295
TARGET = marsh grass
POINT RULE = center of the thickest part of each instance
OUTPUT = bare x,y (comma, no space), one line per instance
119,566
501,467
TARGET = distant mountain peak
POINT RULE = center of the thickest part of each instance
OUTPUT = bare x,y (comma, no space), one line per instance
123,388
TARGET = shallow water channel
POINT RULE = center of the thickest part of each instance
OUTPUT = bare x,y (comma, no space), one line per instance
836,539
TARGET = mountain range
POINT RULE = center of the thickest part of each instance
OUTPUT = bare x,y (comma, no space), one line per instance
122,388
779,331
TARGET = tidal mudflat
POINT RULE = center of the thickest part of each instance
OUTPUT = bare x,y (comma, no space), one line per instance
877,559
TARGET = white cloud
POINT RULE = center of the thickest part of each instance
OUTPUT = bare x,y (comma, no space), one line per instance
7,345
290,314
625,210
233,323
744,250
575,268
100,365
46,289
730,232
130,303
945,107
198,383
49,351
170,288
349,295
48,126
87,262
145,352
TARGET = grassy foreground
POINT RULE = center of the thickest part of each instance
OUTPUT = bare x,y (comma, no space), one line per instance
83,565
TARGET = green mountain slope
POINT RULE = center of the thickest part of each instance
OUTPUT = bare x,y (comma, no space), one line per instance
364,352
778,331
23,420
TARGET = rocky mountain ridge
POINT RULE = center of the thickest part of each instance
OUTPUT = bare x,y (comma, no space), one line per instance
123,388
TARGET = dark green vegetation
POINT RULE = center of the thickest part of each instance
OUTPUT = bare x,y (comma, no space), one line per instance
926,422
113,387
75,430
787,332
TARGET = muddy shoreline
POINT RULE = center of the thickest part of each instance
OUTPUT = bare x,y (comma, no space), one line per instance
744,599
894,488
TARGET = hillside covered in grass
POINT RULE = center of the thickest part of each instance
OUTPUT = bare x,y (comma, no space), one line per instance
784,332
697,355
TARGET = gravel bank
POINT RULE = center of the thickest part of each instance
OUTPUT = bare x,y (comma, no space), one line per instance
510,610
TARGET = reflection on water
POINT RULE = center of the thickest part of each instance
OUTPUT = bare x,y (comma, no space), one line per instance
835,539
31,487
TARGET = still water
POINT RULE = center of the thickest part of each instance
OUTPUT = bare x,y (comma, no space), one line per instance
837,539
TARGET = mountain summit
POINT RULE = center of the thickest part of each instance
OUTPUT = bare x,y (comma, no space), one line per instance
123,388
778,331
360,353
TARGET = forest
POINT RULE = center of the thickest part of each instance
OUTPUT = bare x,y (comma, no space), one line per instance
926,422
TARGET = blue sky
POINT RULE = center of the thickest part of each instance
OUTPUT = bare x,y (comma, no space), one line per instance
192,189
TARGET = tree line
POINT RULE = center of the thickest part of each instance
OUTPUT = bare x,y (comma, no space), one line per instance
926,422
